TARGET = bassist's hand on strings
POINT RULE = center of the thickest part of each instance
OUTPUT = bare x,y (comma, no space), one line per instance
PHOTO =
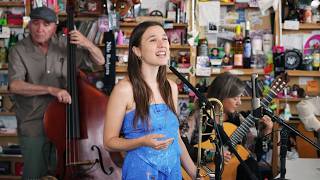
77,38
61,94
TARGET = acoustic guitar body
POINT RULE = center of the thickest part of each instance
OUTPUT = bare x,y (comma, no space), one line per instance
230,169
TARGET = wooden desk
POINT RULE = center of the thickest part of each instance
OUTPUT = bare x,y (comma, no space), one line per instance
303,168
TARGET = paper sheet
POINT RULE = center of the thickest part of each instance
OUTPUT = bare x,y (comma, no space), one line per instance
209,12
291,41
155,5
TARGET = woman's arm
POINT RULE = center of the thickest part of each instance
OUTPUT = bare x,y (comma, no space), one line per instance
186,160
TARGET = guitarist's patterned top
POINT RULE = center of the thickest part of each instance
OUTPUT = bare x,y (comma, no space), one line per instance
146,162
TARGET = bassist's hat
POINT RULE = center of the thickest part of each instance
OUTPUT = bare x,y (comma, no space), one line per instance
44,13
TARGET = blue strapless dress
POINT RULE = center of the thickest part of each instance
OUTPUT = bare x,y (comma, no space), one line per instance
146,163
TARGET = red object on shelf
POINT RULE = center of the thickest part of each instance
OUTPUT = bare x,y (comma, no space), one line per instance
18,168
14,19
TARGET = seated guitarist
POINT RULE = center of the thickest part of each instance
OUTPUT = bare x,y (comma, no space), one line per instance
228,89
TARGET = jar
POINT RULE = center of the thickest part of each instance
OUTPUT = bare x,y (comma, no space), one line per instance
316,61
256,44
308,14
203,47
315,17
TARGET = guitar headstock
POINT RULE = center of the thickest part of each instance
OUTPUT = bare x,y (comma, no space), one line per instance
279,82
123,6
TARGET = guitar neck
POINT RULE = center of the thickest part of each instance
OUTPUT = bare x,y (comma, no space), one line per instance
250,120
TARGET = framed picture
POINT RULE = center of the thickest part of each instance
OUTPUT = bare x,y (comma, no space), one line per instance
89,6
212,27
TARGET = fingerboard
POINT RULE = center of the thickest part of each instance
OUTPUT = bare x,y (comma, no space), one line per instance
249,121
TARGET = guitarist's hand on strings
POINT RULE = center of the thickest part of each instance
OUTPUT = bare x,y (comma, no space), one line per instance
268,124
151,140
227,156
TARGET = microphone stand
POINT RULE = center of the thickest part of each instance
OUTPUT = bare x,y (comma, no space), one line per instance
284,136
219,129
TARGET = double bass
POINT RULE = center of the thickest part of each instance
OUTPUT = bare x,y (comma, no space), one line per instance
76,129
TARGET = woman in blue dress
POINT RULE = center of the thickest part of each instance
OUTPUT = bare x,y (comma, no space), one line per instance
143,108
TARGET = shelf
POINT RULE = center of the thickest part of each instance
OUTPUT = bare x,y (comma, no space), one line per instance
246,98
227,3
134,24
305,26
301,73
8,134
80,15
184,47
4,91
11,155
216,71
123,69
11,4
291,99
8,177
7,114
183,96
14,26
309,26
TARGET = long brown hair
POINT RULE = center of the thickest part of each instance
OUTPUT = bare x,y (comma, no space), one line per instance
142,93
225,85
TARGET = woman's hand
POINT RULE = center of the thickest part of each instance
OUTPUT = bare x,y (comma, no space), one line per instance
266,120
151,141
227,156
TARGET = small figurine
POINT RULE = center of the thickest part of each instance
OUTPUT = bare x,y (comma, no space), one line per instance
214,53
227,59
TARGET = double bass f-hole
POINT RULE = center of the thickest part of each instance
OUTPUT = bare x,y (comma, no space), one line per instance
110,169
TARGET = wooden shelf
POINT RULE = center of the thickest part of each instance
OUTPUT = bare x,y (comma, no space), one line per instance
246,98
8,134
183,96
80,15
216,71
4,91
309,26
14,26
305,26
11,155
7,114
291,99
8,177
227,3
134,24
121,69
183,47
302,73
11,4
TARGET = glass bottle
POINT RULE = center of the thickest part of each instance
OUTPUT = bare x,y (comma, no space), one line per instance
247,47
13,39
238,48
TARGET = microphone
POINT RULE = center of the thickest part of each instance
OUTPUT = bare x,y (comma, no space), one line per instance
255,102
193,89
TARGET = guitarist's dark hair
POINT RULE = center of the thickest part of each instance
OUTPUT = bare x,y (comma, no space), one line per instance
224,86
142,93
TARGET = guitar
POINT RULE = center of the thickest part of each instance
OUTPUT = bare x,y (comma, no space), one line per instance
236,134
